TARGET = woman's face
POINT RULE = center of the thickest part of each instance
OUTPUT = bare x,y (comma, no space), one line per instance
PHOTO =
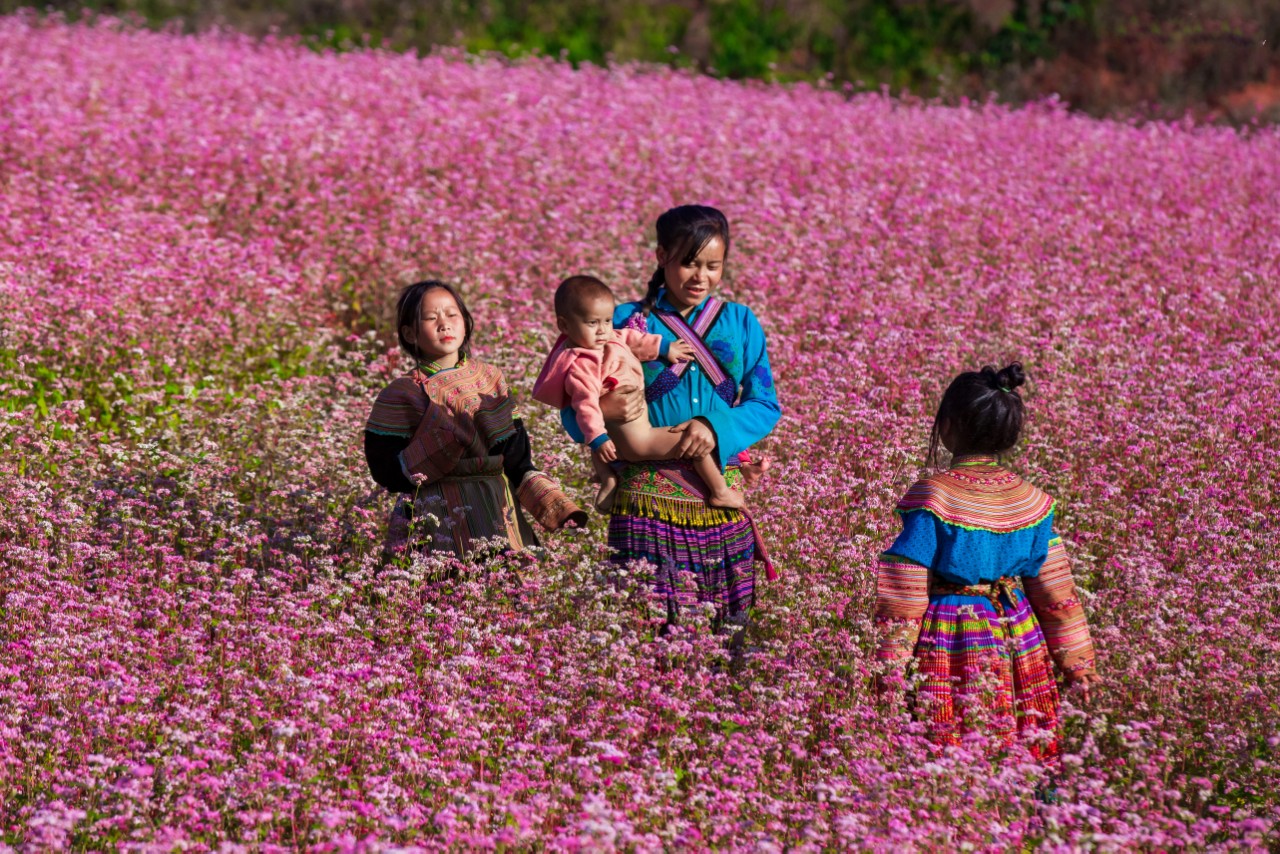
441,328
689,284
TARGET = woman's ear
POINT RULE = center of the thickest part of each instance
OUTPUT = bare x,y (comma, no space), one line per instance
662,257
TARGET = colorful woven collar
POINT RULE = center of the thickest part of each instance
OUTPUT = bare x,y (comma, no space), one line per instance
970,497
967,460
430,369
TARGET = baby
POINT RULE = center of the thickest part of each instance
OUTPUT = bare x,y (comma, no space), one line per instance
592,358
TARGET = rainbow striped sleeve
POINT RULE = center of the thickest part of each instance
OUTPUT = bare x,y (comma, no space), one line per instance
902,595
1057,606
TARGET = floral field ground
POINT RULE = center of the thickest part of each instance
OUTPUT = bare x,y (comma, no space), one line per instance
200,647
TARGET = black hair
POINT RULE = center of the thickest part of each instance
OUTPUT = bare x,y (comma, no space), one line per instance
576,290
682,233
982,411
409,312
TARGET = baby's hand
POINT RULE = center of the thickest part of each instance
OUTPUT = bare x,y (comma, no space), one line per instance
607,452
679,352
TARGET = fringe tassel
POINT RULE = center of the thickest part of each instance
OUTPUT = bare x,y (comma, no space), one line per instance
677,511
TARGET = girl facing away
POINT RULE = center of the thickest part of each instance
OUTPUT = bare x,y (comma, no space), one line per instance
592,358
976,593
447,440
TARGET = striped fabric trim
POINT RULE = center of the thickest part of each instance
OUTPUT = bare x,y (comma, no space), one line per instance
1053,597
992,499
398,409
546,502
902,588
694,335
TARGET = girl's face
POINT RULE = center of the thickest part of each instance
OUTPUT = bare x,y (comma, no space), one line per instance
441,328
689,284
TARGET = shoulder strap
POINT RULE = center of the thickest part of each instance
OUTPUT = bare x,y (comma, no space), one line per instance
694,337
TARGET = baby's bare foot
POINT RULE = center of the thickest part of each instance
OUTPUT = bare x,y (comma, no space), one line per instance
605,495
727,499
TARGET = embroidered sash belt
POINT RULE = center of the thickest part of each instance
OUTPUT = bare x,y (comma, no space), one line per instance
992,591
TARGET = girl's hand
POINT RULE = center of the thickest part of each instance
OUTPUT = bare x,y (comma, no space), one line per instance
606,453
891,683
698,439
1080,687
679,352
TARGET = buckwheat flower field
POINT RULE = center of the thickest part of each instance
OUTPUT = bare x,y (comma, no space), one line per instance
200,645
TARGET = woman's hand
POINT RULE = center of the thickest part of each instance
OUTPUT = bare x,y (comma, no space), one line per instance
625,403
698,439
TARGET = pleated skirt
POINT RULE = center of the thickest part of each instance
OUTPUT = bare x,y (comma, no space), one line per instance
660,516
987,673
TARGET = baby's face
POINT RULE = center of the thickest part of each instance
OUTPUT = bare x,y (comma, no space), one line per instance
590,326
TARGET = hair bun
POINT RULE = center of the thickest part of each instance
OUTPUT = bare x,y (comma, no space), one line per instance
1011,376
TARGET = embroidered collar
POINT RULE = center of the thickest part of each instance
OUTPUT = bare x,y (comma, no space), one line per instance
430,369
979,497
968,460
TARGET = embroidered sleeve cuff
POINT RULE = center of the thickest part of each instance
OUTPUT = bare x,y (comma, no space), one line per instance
550,507
897,639
598,441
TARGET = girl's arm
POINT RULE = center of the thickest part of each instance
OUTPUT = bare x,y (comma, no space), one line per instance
382,453
902,596
1053,597
902,585
536,492
757,411
517,454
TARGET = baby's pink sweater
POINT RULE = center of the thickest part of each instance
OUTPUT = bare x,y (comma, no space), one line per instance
576,377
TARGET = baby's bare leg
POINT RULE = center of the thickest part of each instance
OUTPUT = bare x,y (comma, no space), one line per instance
608,485
638,440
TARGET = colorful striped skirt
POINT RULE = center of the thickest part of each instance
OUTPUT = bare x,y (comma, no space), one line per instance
985,669
660,516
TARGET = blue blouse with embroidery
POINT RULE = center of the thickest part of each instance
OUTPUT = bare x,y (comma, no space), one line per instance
962,555
738,343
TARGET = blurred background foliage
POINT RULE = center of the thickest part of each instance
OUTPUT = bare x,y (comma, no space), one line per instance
1216,59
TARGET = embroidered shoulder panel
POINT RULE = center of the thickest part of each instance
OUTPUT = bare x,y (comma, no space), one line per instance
474,390
998,501
478,390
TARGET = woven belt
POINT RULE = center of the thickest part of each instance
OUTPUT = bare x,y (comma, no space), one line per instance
991,591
